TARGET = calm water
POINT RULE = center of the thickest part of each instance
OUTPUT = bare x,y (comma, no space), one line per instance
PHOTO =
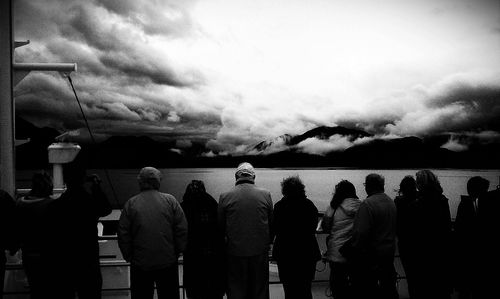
319,182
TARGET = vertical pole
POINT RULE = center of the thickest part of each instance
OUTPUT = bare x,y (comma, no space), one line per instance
7,169
57,176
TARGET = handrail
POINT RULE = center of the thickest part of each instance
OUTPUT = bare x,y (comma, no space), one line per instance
118,263
123,263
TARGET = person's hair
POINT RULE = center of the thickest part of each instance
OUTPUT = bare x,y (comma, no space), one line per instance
408,186
477,185
344,189
41,185
193,190
428,182
292,187
375,182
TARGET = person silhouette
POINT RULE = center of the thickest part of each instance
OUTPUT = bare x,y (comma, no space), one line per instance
73,218
338,221
203,260
407,195
245,217
32,212
295,247
152,233
467,237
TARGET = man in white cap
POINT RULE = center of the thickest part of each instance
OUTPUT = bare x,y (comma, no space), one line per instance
152,232
245,216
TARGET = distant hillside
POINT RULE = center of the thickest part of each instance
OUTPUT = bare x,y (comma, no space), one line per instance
274,144
288,142
282,151
324,132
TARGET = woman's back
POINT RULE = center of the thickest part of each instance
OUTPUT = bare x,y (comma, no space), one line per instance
201,215
294,224
338,222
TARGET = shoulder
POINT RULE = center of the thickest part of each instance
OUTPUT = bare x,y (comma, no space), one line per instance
310,205
259,189
350,203
264,192
230,192
133,199
169,198
378,198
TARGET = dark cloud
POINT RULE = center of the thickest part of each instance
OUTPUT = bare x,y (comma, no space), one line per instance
482,103
47,100
456,104
129,82
120,82
84,32
141,67
151,16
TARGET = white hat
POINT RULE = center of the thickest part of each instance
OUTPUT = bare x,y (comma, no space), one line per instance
149,173
245,169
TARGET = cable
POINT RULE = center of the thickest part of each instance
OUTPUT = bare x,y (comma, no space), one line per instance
106,173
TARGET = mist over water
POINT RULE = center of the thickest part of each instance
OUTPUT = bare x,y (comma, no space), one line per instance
319,182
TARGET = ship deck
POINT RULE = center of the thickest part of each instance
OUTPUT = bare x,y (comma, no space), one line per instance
116,279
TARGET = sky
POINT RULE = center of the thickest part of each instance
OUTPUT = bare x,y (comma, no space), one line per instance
228,74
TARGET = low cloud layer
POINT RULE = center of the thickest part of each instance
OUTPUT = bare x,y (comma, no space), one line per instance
335,143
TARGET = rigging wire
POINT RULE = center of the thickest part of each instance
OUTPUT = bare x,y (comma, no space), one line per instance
106,173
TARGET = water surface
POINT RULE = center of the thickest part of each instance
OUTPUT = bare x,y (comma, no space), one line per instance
319,182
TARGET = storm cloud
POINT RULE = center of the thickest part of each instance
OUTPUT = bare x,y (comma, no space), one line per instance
120,79
207,72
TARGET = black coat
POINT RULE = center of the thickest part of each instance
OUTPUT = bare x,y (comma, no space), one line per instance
431,245
203,258
294,225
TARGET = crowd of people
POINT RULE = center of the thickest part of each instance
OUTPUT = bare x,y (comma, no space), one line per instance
226,244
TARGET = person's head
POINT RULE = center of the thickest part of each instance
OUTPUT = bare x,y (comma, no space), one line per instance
74,174
41,185
408,186
476,186
374,183
428,182
149,178
245,172
193,190
344,189
292,187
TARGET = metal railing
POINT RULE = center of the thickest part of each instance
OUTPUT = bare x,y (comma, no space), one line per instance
120,263
123,263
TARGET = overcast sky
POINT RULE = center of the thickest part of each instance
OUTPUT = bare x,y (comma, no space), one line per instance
231,73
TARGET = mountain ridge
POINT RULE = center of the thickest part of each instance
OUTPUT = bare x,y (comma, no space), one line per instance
281,151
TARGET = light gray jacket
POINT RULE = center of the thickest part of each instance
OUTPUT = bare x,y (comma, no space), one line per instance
152,230
339,224
245,217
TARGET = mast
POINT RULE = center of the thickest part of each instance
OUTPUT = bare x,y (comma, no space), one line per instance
7,168
11,74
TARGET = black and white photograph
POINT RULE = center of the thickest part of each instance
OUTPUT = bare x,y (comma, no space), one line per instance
249,149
